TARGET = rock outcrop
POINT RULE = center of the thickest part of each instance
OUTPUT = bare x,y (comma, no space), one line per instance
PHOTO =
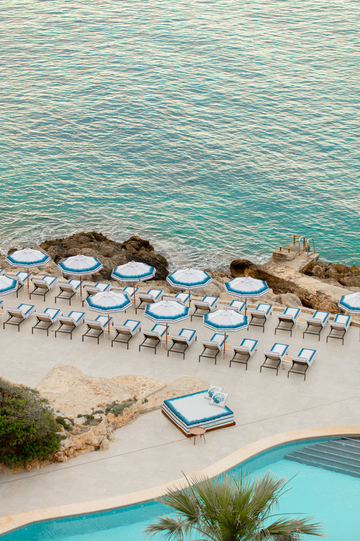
344,275
282,286
109,252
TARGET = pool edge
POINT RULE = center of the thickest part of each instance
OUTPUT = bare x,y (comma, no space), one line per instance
13,522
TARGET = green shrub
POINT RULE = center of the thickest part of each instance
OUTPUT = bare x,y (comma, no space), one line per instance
28,429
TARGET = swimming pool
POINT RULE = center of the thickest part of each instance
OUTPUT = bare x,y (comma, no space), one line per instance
332,498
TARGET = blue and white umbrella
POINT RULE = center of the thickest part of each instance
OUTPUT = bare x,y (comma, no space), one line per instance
189,279
246,287
134,271
108,302
8,285
167,312
80,265
27,258
350,303
225,321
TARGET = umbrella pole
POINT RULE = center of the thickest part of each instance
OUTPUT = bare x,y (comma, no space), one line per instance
224,345
245,305
28,279
189,299
166,335
108,324
80,290
134,292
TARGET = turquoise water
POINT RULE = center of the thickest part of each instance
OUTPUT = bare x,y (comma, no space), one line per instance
216,129
331,498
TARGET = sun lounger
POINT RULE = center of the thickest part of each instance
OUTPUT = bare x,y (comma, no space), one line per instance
339,326
153,338
129,291
152,296
19,314
302,362
316,323
206,305
22,278
96,327
183,298
244,351
236,305
43,285
213,347
2,271
260,315
287,320
124,333
182,341
45,319
96,288
68,289
274,357
69,323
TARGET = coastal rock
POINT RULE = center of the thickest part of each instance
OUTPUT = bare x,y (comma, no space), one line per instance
289,299
342,274
109,252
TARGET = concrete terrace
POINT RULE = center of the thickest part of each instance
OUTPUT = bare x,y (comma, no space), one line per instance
152,451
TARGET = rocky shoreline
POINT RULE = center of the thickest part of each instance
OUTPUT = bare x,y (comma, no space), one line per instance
318,287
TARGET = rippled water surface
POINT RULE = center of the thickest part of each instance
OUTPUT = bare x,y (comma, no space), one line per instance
216,129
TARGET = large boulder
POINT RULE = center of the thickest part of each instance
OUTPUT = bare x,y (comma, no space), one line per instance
109,252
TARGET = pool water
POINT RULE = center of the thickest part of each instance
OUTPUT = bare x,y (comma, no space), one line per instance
331,498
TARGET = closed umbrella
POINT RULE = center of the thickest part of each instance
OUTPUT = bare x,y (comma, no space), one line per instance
108,303
225,321
189,279
27,258
246,287
134,271
167,312
80,265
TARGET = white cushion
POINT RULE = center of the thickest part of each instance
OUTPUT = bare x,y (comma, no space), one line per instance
219,399
211,391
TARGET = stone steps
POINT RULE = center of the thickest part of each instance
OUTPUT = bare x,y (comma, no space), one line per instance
342,456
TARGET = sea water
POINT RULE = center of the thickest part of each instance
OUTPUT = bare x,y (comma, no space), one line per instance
215,128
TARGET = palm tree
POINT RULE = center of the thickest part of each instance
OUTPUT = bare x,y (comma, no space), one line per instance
229,509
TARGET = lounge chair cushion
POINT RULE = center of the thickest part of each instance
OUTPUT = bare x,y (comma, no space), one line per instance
49,314
219,399
26,309
265,309
341,322
290,314
185,336
247,346
306,356
212,389
76,317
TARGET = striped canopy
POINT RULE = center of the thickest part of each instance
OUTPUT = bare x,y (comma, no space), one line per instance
108,302
189,279
246,287
7,285
225,321
27,258
134,271
350,303
80,265
167,312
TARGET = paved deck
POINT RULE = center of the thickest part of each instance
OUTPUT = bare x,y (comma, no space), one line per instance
152,451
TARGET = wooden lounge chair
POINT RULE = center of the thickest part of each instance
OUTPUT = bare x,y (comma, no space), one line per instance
206,305
338,327
182,341
244,351
45,319
316,323
287,320
274,357
213,347
302,362
124,333
96,288
183,298
152,296
96,327
236,305
42,286
68,289
153,338
19,314
22,278
260,315
69,323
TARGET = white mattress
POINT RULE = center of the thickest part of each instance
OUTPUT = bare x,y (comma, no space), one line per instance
194,410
